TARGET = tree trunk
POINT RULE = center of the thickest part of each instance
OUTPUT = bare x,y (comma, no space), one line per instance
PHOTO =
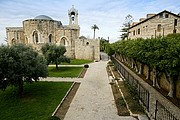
171,87
122,58
132,64
135,65
125,60
129,61
155,78
94,34
140,69
148,73
170,79
56,66
20,87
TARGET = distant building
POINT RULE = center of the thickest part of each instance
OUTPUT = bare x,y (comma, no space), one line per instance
154,25
43,29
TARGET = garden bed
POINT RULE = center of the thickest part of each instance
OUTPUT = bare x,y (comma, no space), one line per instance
61,112
129,97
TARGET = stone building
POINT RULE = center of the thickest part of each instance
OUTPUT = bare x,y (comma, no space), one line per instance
154,25
43,29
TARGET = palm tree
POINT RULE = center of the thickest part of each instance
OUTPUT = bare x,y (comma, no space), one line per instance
94,27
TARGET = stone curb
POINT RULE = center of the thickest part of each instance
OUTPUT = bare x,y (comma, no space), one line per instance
63,99
80,72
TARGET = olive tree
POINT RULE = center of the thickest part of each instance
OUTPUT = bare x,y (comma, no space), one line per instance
19,64
54,54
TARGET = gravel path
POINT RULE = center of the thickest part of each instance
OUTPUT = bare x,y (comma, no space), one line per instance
94,99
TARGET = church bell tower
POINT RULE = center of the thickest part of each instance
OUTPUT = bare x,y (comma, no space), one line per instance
73,16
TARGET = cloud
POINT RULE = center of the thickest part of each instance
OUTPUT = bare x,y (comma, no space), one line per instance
109,15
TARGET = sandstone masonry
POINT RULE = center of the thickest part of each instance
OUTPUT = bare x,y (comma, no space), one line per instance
155,25
43,29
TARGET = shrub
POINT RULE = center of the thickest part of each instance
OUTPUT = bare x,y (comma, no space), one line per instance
86,66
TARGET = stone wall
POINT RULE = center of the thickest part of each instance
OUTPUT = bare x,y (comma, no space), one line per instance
70,52
37,32
177,89
43,28
15,35
87,49
164,84
149,28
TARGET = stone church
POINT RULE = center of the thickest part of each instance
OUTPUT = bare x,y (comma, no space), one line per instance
43,29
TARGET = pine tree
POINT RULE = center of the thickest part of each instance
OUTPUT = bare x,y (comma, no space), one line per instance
126,26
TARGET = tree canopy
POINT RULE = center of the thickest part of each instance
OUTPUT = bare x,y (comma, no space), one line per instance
54,54
19,64
94,27
126,25
161,53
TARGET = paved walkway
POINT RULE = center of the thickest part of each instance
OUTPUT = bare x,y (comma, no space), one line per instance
94,99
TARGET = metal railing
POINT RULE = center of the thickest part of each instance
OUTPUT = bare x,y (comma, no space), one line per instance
143,94
161,113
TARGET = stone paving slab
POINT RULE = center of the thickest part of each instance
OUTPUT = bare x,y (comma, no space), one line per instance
66,65
58,79
94,99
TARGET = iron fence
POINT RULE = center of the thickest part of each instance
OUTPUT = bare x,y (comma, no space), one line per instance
161,113
143,94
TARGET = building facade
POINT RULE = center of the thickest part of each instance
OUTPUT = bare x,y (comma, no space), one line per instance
43,29
155,25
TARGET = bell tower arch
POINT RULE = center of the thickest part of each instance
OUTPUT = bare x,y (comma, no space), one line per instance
73,16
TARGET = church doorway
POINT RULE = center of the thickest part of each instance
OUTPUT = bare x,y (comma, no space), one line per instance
64,41
35,37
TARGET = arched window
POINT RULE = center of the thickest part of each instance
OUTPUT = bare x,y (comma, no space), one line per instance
35,37
159,28
64,41
13,41
50,38
73,17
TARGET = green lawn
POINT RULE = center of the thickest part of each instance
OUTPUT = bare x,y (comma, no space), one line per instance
64,71
77,62
38,103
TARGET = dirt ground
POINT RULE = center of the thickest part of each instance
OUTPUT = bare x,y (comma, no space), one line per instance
66,104
133,103
83,72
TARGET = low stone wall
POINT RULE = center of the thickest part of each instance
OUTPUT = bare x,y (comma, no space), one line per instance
163,83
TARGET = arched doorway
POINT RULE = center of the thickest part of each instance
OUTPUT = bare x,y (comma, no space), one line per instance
64,41
35,37
50,38
13,41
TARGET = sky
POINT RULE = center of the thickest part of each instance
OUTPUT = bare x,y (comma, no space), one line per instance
108,15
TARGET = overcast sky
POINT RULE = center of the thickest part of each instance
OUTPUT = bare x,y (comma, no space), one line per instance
109,15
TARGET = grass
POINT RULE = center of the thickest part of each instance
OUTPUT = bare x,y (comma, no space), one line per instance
64,71
38,102
77,62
